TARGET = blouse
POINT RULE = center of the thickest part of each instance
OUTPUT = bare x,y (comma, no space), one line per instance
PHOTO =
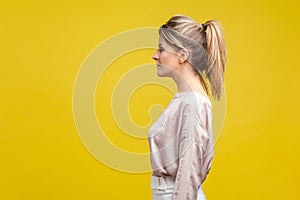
181,143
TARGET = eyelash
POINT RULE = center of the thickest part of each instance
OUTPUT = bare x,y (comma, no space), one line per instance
160,49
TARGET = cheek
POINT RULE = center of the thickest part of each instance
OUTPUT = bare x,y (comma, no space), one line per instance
169,61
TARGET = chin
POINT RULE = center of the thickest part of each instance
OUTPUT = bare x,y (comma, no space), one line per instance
161,74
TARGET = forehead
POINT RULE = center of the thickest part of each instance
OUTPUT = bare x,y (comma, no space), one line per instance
162,42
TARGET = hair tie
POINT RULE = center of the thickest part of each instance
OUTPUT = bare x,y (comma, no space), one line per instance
204,27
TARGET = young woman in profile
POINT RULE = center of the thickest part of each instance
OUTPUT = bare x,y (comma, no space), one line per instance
181,140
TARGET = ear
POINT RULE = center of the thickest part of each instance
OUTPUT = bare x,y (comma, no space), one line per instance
183,55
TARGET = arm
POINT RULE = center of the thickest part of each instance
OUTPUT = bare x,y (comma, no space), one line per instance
192,138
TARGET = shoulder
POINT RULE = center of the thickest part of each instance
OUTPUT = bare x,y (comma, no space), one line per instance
194,101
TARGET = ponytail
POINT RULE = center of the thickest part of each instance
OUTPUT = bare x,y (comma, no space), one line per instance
217,56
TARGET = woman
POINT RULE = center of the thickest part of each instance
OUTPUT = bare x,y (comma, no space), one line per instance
181,140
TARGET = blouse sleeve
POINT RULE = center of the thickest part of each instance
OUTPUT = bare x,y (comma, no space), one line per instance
192,138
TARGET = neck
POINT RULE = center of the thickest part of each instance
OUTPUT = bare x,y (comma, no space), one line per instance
186,80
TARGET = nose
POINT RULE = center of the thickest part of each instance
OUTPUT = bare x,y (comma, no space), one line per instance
155,56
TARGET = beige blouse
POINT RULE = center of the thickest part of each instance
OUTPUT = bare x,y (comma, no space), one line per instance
181,143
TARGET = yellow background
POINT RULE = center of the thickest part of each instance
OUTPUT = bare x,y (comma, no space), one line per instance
43,45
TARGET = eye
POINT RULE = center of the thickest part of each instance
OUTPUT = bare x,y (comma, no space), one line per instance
160,49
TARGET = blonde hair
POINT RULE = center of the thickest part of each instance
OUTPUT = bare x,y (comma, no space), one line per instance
209,60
